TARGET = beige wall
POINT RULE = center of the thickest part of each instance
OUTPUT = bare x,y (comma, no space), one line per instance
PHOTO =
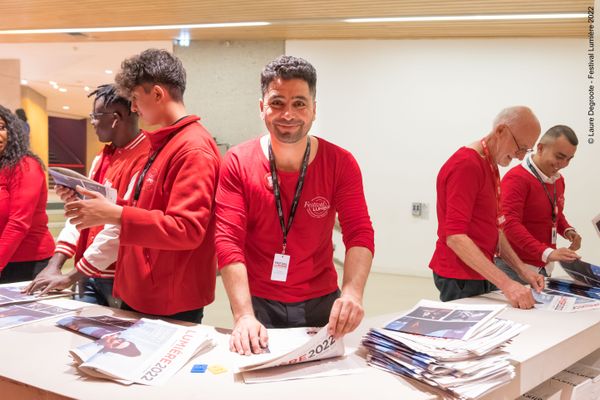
34,105
223,85
10,84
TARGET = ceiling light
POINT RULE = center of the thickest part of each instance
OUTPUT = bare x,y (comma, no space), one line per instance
62,89
66,108
24,82
489,17
108,71
132,28
52,83
86,88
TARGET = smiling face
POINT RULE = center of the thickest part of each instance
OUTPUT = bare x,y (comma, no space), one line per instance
3,135
288,109
553,156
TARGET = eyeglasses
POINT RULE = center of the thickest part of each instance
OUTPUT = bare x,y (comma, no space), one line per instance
520,150
96,116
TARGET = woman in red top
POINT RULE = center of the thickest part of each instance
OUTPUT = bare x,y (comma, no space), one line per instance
25,242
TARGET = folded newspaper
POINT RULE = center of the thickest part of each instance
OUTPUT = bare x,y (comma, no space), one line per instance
95,327
556,299
71,179
11,294
20,314
148,353
461,361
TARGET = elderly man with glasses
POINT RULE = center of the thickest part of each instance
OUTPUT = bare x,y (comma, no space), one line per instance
470,221
533,201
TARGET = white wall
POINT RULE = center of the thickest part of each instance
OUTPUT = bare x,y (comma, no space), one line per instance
403,107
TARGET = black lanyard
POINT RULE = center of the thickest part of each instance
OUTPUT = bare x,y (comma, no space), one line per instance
140,181
553,204
277,192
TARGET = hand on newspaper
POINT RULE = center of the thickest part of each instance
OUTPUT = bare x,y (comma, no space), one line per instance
248,336
345,316
95,211
66,194
564,254
517,295
535,280
575,239
49,283
51,270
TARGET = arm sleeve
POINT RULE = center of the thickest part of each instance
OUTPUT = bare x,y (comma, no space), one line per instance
357,229
182,224
231,214
514,195
462,185
25,188
67,240
101,253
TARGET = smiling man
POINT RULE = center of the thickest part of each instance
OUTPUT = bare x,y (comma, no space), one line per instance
533,201
276,204
469,219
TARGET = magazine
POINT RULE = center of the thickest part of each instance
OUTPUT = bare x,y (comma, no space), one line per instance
570,287
584,272
71,179
447,320
95,327
19,314
149,352
11,294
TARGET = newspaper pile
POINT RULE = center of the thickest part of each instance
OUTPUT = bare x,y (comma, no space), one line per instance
148,353
455,348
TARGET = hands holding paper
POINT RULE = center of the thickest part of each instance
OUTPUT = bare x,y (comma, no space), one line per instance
94,211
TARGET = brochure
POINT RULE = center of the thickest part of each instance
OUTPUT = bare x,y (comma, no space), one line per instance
71,179
95,327
11,294
584,272
19,314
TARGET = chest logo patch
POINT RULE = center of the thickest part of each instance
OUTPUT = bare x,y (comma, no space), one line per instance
317,207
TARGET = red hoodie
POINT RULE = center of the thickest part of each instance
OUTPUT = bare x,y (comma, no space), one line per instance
167,260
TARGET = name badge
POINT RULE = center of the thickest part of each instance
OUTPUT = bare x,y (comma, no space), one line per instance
281,264
554,235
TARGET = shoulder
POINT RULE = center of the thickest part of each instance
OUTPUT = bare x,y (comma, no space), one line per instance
334,154
465,161
245,152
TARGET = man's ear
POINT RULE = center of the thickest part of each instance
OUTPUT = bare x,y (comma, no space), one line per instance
261,105
158,93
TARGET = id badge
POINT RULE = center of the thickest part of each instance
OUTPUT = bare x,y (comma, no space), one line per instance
554,234
281,264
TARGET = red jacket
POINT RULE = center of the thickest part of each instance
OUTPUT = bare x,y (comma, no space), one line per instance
24,234
167,260
528,214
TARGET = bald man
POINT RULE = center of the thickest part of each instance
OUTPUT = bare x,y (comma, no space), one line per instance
533,198
469,218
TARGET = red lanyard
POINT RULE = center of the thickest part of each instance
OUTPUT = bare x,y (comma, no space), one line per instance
496,174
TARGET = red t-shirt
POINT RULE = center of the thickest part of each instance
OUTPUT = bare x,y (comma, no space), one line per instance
466,204
24,234
528,213
249,231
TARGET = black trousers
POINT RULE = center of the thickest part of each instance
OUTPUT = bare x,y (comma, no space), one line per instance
276,314
22,271
453,289
194,316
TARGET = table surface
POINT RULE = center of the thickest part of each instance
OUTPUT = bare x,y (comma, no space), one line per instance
35,363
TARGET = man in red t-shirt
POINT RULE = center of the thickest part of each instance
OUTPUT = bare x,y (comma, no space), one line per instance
276,204
469,218
533,201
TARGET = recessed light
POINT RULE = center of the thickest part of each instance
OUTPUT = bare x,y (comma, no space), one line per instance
66,108
24,82
86,88
52,83
62,89
108,71
486,17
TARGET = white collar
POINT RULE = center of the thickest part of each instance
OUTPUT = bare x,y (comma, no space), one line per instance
545,179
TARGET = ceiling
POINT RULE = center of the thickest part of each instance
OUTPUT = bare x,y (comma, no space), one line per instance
78,60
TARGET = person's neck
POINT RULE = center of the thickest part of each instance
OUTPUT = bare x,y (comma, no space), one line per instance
536,160
491,144
289,156
125,137
174,111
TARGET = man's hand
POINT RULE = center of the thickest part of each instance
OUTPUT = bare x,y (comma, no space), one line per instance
95,211
564,254
52,282
575,239
52,270
535,280
517,295
66,194
346,314
248,336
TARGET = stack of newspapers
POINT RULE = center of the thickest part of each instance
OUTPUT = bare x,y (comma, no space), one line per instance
457,349
148,352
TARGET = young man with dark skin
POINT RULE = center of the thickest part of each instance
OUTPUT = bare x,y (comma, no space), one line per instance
93,248
167,263
276,204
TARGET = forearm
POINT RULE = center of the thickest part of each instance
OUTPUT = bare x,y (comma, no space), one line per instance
235,279
357,266
471,255
56,262
508,254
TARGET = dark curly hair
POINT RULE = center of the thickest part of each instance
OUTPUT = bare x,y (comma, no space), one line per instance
289,67
110,95
17,146
154,67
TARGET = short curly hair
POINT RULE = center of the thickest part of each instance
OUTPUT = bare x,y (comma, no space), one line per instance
17,145
154,67
289,67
